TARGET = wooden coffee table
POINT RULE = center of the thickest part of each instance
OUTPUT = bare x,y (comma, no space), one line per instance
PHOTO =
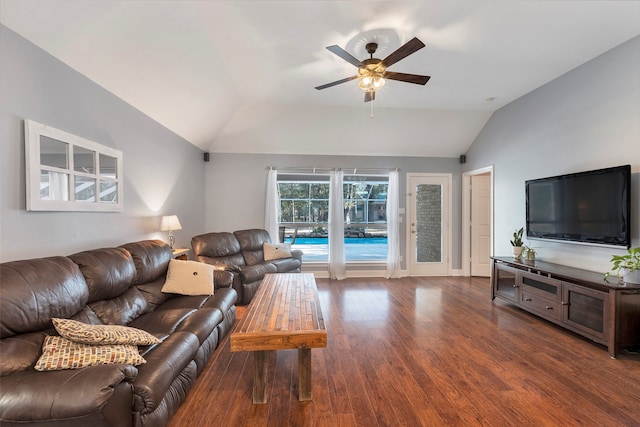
284,314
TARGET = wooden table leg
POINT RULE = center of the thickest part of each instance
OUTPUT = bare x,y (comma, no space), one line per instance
304,374
260,376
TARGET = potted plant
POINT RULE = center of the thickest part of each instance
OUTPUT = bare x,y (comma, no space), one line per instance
517,243
627,266
529,253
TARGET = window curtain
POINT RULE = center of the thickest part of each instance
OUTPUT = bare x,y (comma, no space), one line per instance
393,227
337,267
272,206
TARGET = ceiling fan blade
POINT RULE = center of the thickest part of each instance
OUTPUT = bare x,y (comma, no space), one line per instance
409,78
369,96
344,55
403,51
337,82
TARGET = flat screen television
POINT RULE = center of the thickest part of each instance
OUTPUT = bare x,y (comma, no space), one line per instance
590,207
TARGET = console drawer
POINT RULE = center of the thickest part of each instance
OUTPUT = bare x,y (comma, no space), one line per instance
543,307
544,286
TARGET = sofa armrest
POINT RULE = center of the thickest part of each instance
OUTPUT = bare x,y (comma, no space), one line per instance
297,254
222,279
165,362
218,266
80,396
255,273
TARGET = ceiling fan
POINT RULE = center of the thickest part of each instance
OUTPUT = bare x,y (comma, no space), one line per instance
372,72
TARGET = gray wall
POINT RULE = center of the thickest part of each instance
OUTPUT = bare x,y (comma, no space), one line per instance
164,174
588,118
236,186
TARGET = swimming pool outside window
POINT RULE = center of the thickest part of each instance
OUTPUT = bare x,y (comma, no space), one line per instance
304,211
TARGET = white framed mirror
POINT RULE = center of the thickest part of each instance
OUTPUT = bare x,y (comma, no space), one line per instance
68,173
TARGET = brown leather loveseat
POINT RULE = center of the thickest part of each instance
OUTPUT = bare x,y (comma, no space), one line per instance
112,286
242,252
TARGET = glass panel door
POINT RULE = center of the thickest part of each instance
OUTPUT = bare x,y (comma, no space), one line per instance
429,225
506,282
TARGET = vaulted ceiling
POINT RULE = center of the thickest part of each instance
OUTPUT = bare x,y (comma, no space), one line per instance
239,76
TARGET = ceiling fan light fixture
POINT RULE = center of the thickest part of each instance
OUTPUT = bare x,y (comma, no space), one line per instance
371,72
370,82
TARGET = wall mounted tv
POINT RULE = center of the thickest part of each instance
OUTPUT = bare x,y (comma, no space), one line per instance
590,207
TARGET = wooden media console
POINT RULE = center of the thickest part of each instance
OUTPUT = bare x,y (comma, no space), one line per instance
578,300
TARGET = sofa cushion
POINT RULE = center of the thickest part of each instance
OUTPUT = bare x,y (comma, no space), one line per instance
20,353
60,353
152,293
276,251
86,315
201,323
252,239
189,278
102,334
122,309
162,322
185,301
231,262
215,245
151,258
251,242
109,272
34,291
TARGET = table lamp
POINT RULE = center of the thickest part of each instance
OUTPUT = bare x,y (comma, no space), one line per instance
170,223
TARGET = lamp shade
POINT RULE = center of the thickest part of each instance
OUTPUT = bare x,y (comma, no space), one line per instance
170,222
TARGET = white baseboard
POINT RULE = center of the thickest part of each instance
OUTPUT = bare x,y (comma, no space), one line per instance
324,274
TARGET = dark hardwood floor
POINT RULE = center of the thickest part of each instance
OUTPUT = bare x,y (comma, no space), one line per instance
425,352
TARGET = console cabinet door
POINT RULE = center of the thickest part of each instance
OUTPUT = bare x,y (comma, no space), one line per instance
506,282
587,311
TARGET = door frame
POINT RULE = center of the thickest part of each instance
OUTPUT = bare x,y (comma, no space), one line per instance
448,219
466,216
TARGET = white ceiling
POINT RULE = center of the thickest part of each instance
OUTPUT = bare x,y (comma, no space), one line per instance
205,69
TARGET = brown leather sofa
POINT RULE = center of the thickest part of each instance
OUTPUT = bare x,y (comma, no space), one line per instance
241,252
105,286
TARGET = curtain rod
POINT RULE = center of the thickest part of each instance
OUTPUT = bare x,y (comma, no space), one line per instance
319,170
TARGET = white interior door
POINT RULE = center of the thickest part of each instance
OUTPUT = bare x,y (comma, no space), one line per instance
481,225
429,234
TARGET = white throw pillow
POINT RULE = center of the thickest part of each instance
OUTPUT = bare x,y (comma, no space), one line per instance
276,251
189,278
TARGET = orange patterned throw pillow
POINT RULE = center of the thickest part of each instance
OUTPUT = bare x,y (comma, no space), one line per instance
59,353
102,334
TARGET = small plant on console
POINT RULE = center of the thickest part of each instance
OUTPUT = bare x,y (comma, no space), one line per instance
517,243
626,266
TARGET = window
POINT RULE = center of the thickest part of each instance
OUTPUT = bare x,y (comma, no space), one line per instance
304,202
69,173
304,213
